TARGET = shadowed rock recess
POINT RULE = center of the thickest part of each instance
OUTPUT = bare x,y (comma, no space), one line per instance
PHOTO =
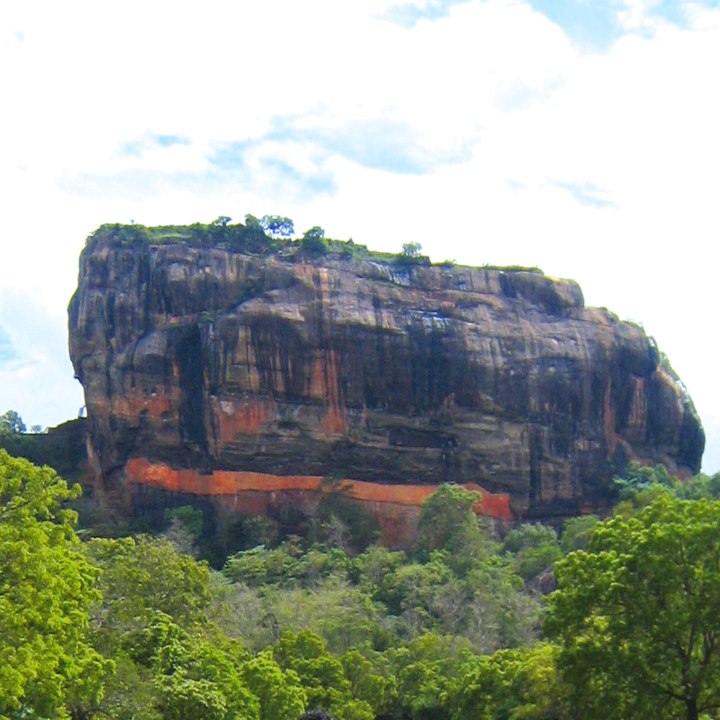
251,377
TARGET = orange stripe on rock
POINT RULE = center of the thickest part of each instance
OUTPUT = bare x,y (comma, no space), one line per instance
229,482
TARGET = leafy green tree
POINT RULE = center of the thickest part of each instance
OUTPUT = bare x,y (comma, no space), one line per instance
700,486
637,477
286,565
47,587
141,576
340,522
640,485
499,614
313,242
447,522
219,229
636,615
151,594
11,423
193,673
425,669
411,254
370,568
318,564
262,566
243,612
576,532
184,528
342,615
321,675
371,679
426,596
186,697
251,236
130,693
200,677
534,547
411,249
280,693
277,226
512,684
356,710
447,519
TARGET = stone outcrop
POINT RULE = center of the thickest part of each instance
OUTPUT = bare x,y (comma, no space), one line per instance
63,448
215,372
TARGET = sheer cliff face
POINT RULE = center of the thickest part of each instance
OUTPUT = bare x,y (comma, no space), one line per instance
204,362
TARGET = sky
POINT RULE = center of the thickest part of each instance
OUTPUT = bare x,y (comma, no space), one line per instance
580,136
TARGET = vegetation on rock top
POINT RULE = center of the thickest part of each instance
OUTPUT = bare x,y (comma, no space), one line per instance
271,235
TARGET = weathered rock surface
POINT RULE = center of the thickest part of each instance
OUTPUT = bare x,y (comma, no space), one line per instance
204,361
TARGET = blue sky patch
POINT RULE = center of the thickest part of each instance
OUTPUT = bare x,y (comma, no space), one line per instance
232,155
379,144
7,350
386,145
230,168
674,11
409,14
274,169
135,148
301,184
594,25
169,140
591,24
587,194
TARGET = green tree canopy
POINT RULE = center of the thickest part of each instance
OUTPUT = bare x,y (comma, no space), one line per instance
577,531
512,684
198,678
46,590
313,241
11,422
280,694
321,674
411,249
277,226
637,614
447,522
534,547
411,254
142,575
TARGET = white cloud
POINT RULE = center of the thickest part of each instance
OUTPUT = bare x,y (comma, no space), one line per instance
36,377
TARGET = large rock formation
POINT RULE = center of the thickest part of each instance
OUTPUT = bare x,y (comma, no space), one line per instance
220,373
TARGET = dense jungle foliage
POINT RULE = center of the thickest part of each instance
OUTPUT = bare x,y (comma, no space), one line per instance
614,618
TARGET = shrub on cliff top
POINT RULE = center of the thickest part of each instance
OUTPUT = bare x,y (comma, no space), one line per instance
313,242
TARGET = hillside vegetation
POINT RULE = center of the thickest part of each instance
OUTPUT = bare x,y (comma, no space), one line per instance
460,626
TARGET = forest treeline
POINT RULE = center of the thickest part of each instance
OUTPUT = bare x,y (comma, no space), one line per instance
611,618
